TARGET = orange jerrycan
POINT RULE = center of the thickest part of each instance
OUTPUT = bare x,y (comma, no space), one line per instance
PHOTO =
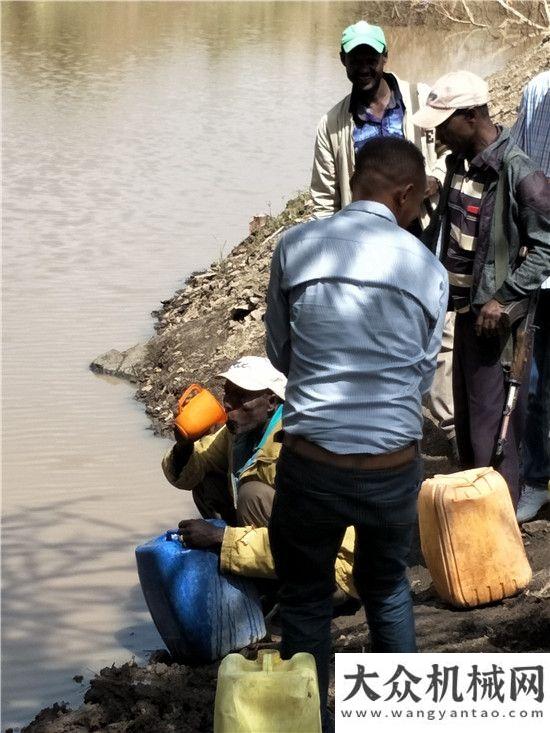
199,410
470,537
267,695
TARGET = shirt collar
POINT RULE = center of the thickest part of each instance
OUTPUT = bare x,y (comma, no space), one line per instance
491,157
364,114
372,207
356,105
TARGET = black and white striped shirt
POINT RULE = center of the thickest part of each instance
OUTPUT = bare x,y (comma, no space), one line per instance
467,186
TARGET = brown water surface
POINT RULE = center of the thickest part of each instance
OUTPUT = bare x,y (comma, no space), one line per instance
139,138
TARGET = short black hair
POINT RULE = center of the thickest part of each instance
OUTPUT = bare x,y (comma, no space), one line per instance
385,162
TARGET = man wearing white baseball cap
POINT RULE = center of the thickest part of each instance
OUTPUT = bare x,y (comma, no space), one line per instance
256,374
232,475
232,472
492,233
457,90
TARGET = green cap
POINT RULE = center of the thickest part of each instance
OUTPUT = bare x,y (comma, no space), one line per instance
363,33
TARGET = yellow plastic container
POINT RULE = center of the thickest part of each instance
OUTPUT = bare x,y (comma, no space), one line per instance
267,695
470,538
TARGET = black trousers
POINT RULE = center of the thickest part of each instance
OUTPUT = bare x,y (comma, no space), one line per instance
479,394
314,503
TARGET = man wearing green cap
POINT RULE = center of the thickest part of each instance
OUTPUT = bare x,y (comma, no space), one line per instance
380,104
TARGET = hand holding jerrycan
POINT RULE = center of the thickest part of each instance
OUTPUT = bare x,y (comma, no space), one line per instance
198,411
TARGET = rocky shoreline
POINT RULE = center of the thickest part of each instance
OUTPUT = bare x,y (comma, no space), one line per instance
216,317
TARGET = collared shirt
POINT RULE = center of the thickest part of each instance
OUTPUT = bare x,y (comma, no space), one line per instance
467,186
355,315
532,128
526,222
367,125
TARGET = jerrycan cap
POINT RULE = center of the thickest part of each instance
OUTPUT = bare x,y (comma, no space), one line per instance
268,658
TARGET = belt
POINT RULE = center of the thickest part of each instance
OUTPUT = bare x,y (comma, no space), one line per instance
362,461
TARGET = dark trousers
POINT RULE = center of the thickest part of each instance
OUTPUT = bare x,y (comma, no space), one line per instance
314,503
213,499
479,394
536,456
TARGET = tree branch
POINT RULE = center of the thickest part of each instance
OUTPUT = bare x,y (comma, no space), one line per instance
443,11
471,17
522,18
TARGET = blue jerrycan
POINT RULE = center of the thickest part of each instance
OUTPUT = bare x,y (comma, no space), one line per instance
201,614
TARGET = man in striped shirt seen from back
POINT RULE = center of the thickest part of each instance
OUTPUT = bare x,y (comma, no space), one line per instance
495,205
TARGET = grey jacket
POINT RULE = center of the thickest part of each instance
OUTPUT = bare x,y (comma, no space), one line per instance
526,224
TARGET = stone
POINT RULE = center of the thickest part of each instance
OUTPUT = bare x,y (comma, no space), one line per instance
257,222
122,364
539,587
239,311
532,528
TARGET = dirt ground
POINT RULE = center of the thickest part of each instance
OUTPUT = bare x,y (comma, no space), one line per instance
165,697
227,303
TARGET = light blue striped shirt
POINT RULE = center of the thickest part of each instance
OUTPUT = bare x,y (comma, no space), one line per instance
354,318
532,128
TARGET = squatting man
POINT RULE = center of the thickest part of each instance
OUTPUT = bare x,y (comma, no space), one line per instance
231,474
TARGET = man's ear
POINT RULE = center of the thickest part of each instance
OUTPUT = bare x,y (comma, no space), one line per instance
403,193
343,57
273,402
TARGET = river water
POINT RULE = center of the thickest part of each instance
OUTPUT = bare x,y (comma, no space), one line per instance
139,138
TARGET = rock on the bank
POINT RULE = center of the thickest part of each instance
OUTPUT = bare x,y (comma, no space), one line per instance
122,364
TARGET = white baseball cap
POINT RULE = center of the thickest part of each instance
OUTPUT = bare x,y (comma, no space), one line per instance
255,373
457,90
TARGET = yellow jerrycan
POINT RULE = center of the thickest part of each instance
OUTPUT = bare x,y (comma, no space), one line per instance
470,538
267,695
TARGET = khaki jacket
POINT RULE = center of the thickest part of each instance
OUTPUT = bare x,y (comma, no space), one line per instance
214,454
334,158
246,551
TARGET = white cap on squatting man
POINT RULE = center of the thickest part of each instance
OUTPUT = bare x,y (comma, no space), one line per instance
255,373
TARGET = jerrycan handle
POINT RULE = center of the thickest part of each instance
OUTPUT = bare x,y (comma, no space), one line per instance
268,658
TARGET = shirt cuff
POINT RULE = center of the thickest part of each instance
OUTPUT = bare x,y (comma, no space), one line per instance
506,294
168,466
228,543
